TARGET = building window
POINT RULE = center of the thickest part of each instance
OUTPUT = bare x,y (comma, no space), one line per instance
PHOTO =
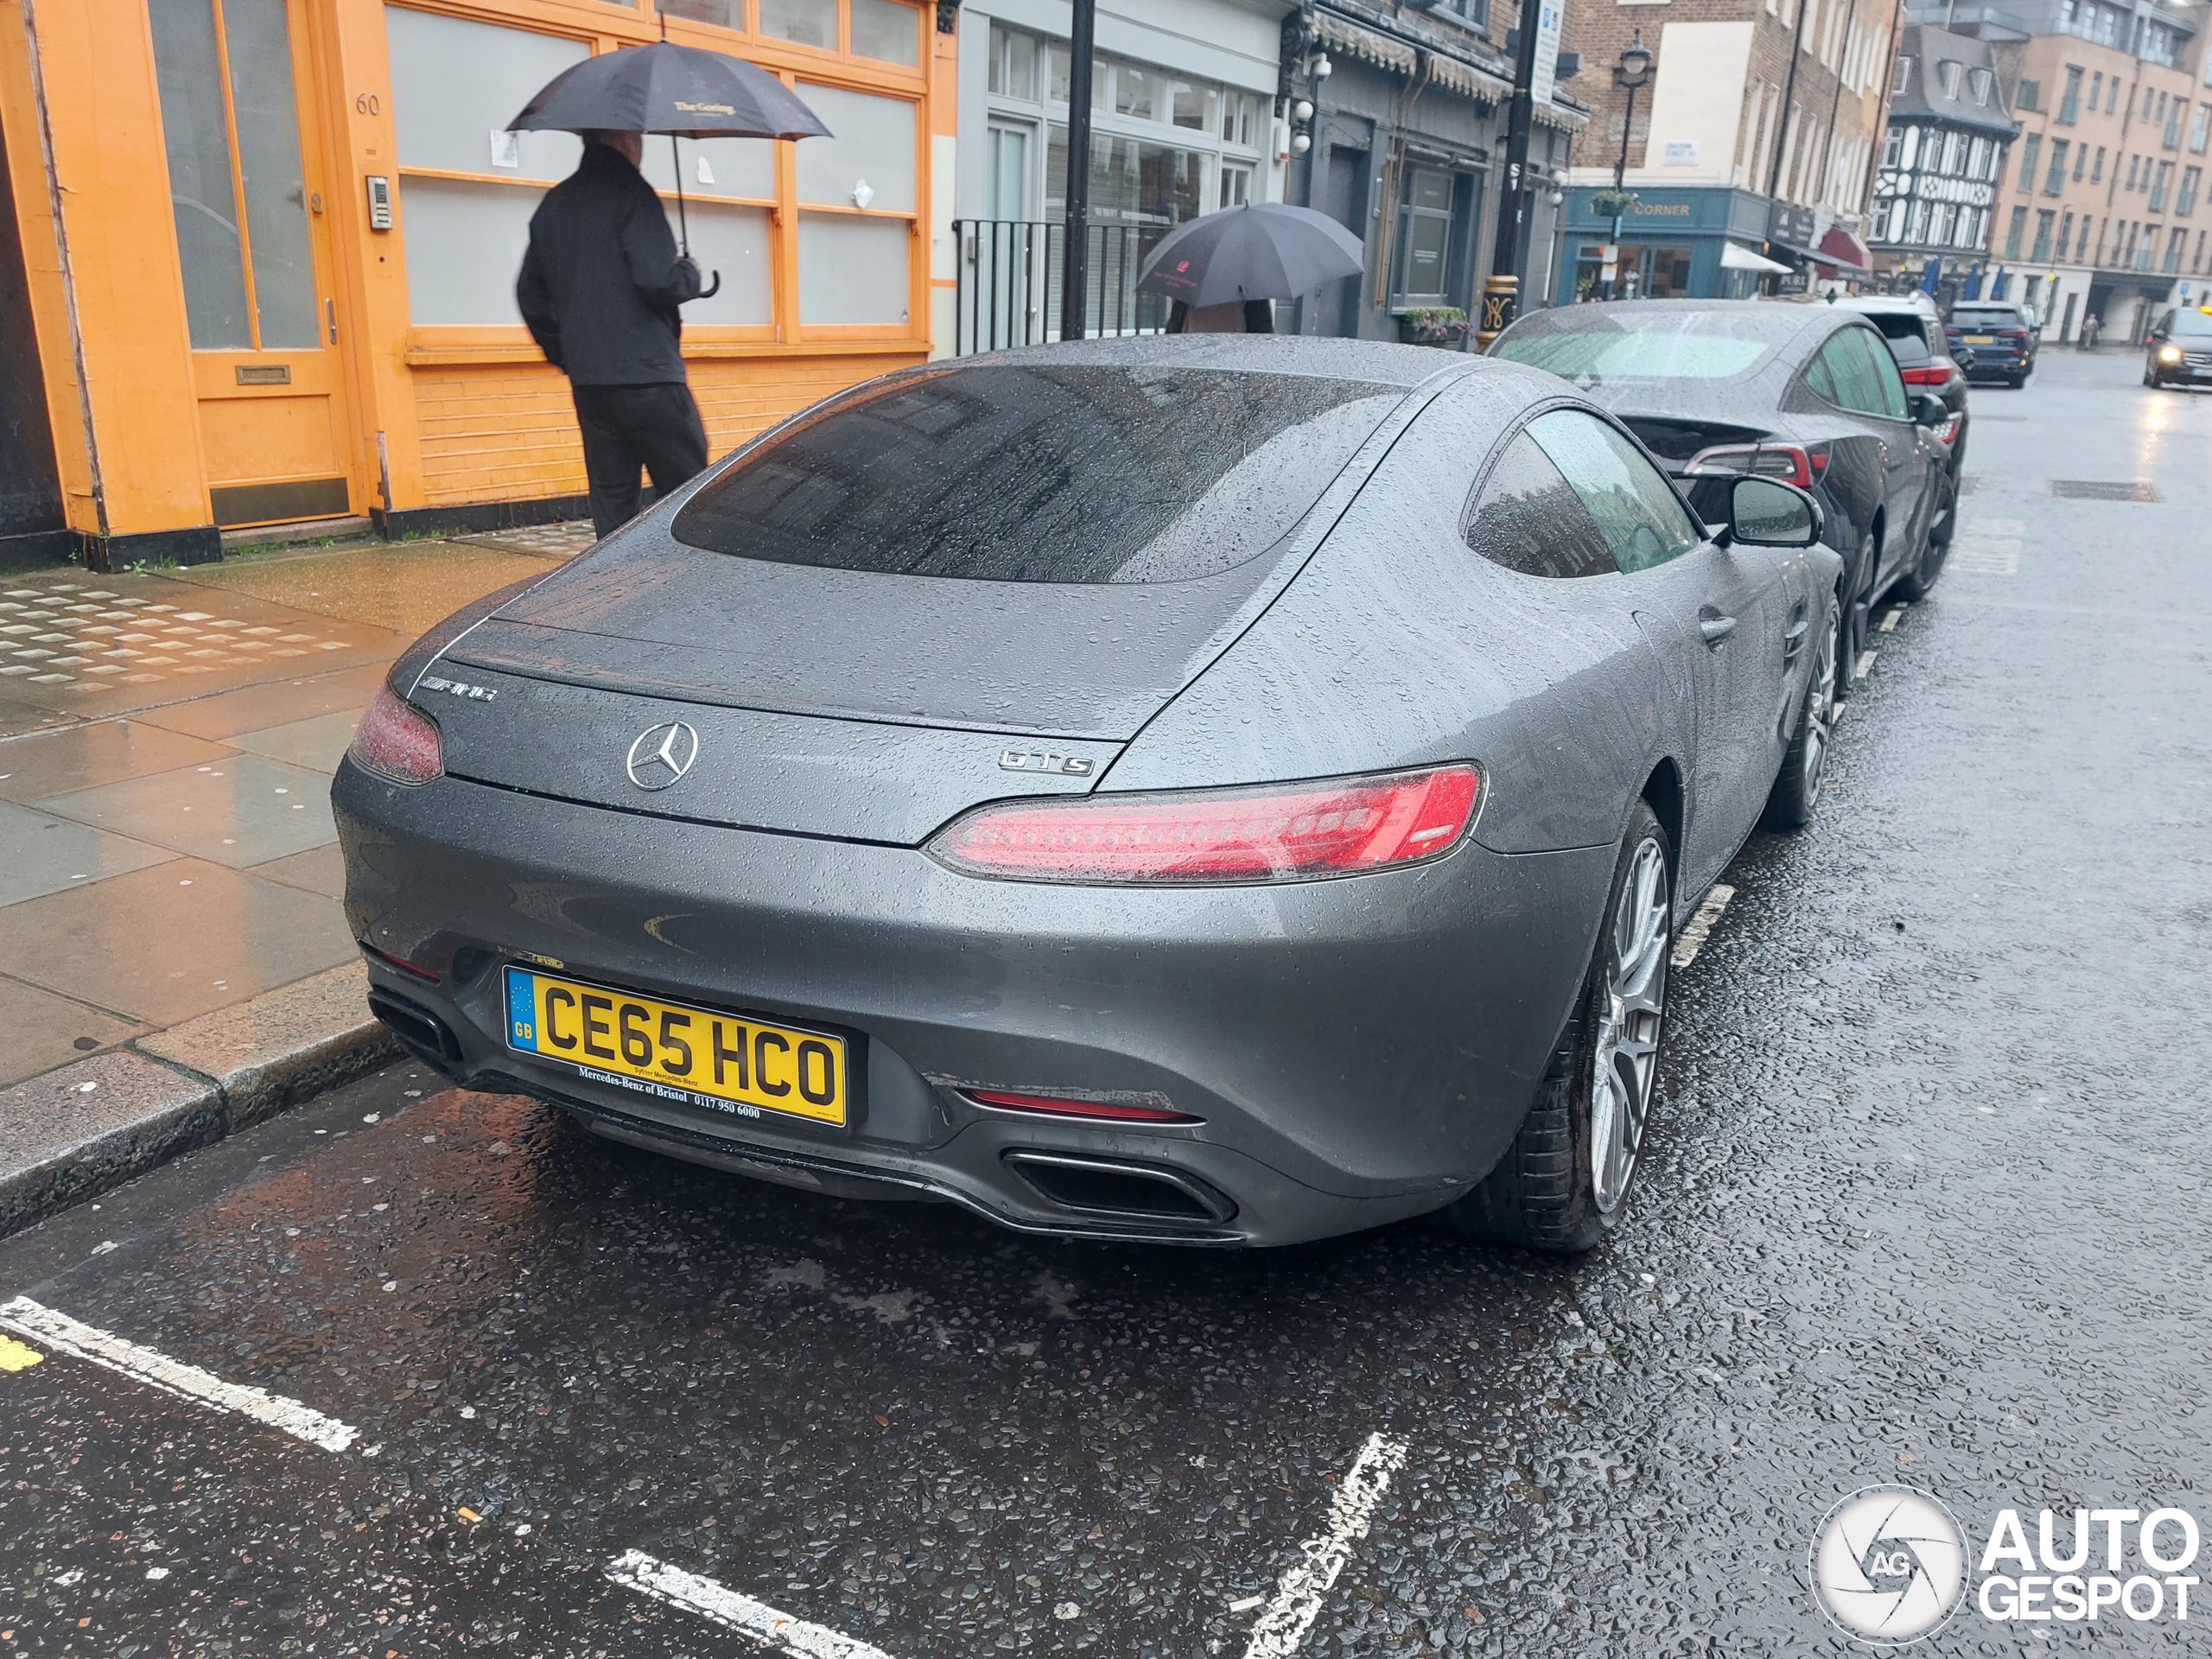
2189,178
2175,249
2014,231
2081,242
1977,164
2133,162
2201,132
1901,79
1980,83
1423,265
2029,92
2096,90
2030,151
2111,96
2041,254
2069,102
2081,161
2171,138
1474,13
2065,233
1892,143
2097,173
2055,180
1948,72
2160,185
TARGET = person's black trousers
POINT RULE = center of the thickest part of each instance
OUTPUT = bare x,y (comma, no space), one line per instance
657,427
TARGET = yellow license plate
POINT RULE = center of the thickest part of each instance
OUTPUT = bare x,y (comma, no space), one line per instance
695,1056
1981,339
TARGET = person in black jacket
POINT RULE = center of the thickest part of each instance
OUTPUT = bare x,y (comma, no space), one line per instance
599,289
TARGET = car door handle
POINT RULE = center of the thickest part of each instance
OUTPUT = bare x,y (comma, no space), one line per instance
1714,626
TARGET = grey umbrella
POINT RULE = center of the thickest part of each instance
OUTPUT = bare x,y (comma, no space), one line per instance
682,91
1266,251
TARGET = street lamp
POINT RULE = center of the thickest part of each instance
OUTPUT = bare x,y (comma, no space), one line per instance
1630,74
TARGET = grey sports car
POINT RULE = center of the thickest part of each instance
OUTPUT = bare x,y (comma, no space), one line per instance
1214,789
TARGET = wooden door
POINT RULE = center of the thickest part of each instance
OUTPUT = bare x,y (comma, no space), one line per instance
252,225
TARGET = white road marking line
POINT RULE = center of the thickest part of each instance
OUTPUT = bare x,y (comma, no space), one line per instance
60,1332
1692,938
1299,1594
1890,618
732,1609
1866,665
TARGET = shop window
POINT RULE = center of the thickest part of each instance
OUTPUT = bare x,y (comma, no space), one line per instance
804,23
1012,70
888,31
241,226
1242,114
853,269
1237,184
873,143
723,14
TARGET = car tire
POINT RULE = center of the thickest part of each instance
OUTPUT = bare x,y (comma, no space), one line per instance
1947,516
1553,1190
1796,796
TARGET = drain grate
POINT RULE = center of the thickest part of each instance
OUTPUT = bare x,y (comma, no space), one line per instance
2098,489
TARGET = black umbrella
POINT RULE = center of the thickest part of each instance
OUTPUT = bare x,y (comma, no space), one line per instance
1265,250
682,90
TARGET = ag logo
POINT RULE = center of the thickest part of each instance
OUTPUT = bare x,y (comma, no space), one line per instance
1889,1565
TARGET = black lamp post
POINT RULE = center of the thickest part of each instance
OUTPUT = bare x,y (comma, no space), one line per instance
1630,74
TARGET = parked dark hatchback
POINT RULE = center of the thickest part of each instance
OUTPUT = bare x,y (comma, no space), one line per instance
2002,334
1806,393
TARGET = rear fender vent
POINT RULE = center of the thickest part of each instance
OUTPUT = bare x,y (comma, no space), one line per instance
1099,1187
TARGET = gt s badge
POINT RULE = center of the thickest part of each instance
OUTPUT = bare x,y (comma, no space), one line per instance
1038,760
459,689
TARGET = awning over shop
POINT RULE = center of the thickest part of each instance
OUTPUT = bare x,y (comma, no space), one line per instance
1819,257
1736,256
1341,34
1839,248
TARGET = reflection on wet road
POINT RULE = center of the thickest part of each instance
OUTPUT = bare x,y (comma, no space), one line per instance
1926,1205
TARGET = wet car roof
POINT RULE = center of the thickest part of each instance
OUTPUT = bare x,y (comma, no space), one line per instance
1380,362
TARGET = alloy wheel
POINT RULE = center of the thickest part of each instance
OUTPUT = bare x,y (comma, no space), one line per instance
1633,1008
1819,708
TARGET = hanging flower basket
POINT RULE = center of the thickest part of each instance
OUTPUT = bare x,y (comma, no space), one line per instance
1442,325
1612,204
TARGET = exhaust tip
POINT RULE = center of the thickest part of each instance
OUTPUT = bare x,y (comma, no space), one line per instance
421,1031
1098,1186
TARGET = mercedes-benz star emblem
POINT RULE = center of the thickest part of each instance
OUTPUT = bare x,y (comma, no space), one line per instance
662,754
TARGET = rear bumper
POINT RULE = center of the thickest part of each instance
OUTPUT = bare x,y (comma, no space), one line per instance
1358,1051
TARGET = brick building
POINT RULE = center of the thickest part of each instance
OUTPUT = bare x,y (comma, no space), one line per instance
1757,131
2102,212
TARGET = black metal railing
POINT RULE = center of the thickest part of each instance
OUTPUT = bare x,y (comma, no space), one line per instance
1009,283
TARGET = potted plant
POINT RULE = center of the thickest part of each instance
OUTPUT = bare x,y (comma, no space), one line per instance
1439,325
1612,204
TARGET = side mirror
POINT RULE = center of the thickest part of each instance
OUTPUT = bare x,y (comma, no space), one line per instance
1766,512
1929,409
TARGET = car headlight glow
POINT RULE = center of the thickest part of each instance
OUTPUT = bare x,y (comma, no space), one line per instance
2169,353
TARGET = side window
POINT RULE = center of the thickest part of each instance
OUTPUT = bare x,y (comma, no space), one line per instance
1529,519
1850,374
1636,509
1894,402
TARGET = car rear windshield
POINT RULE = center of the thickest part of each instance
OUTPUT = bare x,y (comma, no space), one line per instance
1587,343
1997,316
1060,473
1897,325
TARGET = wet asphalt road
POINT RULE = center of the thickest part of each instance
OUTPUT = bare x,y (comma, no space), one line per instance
1927,1205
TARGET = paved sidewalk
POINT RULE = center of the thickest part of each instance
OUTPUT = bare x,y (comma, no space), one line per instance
166,740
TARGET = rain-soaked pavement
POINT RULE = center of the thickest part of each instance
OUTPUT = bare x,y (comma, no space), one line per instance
1926,1205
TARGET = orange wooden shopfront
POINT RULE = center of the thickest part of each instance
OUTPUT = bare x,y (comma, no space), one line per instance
232,335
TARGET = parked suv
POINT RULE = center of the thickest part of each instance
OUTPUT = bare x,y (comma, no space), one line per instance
2178,352
1926,356
2003,335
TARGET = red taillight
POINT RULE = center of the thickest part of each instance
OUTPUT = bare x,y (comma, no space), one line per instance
2011,334
1925,377
1276,832
1792,463
1949,430
412,969
397,742
1059,1106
